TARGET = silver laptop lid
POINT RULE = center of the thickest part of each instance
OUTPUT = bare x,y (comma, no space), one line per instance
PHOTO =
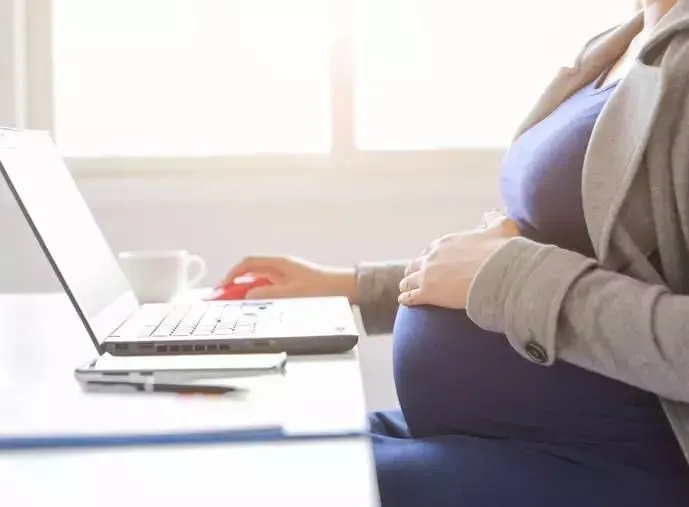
66,231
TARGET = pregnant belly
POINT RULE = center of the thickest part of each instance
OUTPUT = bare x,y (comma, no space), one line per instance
445,366
454,377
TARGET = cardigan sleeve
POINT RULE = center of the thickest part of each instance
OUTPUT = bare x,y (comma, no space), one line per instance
377,292
554,304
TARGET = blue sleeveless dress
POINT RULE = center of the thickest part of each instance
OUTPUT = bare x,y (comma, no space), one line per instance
481,426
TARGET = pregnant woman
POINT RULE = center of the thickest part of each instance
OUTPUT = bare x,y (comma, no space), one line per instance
543,357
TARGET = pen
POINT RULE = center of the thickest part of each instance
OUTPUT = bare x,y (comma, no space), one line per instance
156,387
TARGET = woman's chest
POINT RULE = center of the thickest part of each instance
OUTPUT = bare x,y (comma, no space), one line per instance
541,178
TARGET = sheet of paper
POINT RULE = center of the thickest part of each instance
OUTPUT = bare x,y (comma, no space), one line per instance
77,413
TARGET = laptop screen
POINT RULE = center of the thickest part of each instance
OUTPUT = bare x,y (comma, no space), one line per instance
66,231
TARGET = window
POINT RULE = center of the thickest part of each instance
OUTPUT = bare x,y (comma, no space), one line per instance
191,77
229,78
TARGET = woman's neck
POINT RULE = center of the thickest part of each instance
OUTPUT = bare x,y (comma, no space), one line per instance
654,10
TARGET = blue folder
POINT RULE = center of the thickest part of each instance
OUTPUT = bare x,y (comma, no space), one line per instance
252,435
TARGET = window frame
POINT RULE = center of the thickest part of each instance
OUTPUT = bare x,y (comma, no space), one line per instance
343,160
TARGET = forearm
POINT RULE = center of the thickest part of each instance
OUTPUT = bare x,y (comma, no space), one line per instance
377,292
573,310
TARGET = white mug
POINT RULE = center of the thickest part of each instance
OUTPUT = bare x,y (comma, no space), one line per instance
158,276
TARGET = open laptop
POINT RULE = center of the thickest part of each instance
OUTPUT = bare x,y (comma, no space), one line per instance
102,297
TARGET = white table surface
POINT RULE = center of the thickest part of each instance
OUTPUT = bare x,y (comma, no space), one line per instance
42,341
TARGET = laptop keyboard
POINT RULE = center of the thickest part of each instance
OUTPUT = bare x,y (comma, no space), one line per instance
216,320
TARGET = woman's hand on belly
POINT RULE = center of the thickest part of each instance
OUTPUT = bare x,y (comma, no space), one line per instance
443,273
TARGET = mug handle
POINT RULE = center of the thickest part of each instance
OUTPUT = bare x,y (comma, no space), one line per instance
200,265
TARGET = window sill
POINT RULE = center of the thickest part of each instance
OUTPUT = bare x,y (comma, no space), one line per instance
372,175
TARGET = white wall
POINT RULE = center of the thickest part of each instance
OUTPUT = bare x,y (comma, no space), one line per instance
224,219
223,222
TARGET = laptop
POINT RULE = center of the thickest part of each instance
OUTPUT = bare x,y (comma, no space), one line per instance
104,301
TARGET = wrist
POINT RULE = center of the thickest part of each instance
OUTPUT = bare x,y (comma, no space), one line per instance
343,283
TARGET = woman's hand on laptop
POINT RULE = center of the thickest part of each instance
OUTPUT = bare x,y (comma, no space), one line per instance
294,277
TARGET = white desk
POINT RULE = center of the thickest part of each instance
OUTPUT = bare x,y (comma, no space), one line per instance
42,340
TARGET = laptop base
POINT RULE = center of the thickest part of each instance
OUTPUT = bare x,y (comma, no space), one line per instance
307,345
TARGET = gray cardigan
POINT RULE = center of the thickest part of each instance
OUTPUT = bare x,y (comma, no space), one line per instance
615,314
